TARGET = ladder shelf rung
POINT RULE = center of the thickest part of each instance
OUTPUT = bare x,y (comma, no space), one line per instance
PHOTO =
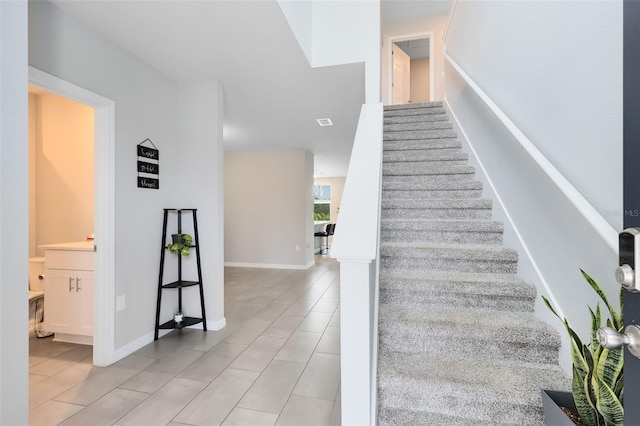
181,284
186,322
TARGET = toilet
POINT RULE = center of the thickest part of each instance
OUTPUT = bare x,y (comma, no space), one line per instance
36,295
36,278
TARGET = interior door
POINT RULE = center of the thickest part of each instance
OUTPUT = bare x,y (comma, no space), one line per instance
401,78
631,175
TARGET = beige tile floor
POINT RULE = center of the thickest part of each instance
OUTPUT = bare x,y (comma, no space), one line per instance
276,363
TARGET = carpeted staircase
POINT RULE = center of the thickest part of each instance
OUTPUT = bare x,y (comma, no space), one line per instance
459,342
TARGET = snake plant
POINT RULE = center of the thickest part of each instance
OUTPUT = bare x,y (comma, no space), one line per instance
597,371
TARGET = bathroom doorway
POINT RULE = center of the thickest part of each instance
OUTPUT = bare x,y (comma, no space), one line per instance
61,205
103,204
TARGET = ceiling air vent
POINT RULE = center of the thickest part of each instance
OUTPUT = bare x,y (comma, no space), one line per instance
324,122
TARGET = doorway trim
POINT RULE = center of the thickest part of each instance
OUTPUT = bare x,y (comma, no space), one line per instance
407,37
104,208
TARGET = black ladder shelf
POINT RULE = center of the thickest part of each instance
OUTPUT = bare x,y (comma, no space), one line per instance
179,283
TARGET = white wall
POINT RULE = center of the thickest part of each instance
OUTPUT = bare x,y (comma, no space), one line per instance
334,32
14,365
434,24
33,111
63,170
420,76
147,106
268,209
199,163
567,102
299,17
556,69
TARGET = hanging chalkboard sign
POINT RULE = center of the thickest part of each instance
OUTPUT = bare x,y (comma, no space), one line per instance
148,165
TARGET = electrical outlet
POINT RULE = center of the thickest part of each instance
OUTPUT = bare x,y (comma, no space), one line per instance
120,303
297,247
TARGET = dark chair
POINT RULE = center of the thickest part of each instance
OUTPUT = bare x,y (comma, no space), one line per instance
328,231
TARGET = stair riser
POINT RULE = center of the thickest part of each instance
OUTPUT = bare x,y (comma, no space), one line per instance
424,155
418,169
442,186
415,118
395,417
416,166
420,134
390,195
472,407
459,214
444,264
422,339
421,144
425,125
436,300
442,237
413,112
429,178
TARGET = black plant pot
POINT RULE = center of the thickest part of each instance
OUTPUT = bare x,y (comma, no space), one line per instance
552,401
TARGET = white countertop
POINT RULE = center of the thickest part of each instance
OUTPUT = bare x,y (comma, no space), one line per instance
75,245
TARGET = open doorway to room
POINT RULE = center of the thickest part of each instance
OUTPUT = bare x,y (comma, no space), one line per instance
61,216
102,158
411,69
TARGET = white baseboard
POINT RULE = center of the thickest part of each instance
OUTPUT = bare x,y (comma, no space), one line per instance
269,265
141,342
131,347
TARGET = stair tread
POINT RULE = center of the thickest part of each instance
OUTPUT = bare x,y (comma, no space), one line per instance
437,203
431,185
472,373
444,276
421,144
390,416
437,169
390,224
412,157
481,320
456,252
419,134
435,104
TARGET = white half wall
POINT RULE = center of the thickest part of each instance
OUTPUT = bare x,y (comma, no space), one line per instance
268,206
14,204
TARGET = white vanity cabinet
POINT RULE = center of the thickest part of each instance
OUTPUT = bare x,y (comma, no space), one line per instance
69,291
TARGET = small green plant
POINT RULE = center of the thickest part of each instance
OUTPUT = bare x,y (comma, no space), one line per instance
597,385
181,244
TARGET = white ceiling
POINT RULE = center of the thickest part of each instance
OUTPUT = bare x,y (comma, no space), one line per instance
272,97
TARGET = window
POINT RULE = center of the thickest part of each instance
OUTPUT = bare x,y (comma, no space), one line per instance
322,202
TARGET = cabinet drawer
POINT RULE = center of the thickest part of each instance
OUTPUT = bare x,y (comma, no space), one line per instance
69,259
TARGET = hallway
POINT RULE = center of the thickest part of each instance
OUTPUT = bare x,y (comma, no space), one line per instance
277,362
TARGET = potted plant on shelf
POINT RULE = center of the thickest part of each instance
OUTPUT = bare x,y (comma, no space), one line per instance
181,244
597,371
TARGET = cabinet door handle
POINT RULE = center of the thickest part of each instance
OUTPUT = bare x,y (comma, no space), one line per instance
70,284
78,284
